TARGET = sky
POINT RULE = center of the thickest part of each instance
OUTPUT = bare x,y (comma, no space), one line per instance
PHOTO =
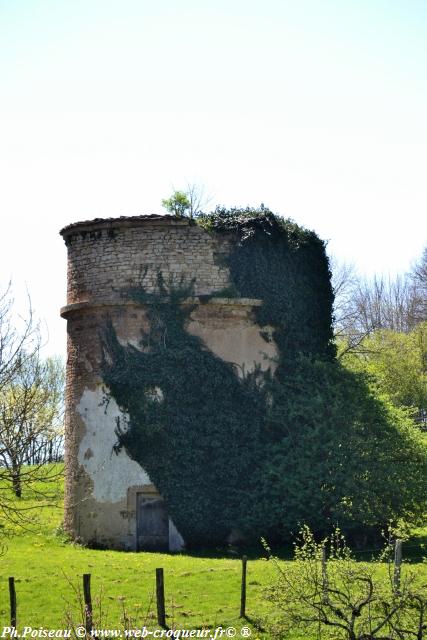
315,108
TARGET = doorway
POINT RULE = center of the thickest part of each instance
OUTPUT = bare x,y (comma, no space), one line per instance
152,523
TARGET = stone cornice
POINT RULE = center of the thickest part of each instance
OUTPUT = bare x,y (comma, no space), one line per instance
75,307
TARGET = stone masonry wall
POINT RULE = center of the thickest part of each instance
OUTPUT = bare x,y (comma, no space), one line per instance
106,257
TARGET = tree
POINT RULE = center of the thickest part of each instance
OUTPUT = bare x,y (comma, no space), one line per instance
397,362
380,328
418,277
198,199
17,341
337,449
189,202
326,593
363,306
30,407
178,204
385,304
380,303
345,281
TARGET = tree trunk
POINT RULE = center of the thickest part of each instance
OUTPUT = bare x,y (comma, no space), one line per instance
16,484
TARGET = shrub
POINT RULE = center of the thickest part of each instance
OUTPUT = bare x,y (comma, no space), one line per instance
327,593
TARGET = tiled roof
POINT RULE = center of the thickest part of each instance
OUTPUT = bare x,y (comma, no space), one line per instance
120,219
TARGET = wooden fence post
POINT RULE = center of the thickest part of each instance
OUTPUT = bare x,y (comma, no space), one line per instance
88,602
325,585
397,564
12,598
243,589
160,594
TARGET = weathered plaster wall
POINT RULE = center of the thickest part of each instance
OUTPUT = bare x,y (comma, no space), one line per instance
104,259
98,509
228,328
111,473
107,514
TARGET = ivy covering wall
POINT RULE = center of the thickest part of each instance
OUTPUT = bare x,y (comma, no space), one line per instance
261,454
286,266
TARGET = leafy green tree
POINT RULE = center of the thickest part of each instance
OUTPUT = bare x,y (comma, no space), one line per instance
396,363
178,204
336,453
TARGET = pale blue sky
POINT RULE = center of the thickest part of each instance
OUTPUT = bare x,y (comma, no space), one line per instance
316,108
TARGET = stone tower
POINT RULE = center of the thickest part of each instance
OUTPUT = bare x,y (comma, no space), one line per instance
110,500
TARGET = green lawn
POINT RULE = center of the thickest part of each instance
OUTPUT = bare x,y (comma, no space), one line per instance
200,591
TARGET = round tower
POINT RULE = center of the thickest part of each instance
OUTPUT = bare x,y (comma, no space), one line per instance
110,500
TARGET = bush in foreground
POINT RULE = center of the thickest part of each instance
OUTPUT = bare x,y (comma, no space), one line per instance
326,593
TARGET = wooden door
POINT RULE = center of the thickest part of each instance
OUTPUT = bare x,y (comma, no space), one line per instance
152,524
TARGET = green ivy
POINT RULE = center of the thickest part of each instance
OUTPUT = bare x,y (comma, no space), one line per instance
286,266
260,453
198,437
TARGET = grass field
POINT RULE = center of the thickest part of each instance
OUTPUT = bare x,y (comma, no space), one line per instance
48,569
200,591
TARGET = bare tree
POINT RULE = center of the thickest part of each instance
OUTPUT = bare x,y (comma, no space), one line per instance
197,197
345,283
383,303
362,305
19,337
418,277
47,442
327,593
